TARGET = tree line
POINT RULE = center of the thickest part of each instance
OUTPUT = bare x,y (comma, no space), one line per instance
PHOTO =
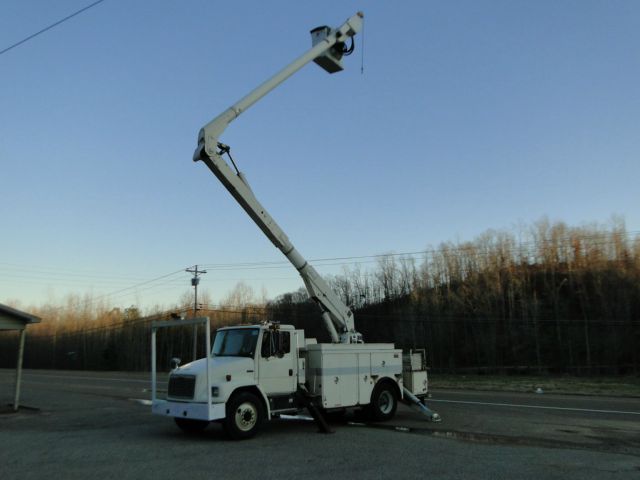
549,298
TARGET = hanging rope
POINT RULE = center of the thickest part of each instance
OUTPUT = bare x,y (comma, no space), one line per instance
362,51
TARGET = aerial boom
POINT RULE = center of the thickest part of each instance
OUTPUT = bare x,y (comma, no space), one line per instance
322,48
327,49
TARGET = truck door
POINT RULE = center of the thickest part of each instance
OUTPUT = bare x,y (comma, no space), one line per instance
277,363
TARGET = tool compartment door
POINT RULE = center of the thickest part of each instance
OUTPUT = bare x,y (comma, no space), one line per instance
339,379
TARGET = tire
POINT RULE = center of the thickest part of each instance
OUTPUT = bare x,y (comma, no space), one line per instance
189,425
384,402
244,415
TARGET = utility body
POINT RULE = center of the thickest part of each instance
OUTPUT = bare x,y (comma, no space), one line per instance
256,372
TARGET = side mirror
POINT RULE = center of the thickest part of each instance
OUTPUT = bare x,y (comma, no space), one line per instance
275,344
284,343
175,363
267,345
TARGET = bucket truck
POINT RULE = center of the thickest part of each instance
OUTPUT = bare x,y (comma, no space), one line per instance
257,372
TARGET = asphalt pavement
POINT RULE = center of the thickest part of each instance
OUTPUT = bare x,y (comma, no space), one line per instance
99,425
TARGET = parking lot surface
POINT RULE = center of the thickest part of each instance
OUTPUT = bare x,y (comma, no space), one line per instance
98,425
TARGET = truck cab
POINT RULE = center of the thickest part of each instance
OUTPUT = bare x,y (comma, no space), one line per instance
259,363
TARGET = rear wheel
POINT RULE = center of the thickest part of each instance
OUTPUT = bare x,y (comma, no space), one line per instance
189,425
243,416
384,402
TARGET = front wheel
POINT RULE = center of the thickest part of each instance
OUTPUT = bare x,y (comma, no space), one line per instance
244,414
384,402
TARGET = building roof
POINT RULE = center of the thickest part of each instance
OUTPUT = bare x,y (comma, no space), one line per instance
12,319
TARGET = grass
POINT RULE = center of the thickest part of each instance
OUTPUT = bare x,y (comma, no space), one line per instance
619,386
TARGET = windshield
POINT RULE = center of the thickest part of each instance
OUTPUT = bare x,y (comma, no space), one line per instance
239,342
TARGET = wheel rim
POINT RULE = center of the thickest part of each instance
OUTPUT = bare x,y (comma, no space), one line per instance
246,416
385,402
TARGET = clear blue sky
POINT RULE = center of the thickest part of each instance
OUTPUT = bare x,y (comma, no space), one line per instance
470,115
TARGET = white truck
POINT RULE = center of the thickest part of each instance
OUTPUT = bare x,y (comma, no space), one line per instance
257,372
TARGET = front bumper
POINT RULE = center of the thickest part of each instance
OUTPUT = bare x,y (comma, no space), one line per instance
195,411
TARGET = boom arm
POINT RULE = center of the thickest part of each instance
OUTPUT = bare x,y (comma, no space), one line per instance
336,315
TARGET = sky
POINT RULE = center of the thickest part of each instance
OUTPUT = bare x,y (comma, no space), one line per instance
454,118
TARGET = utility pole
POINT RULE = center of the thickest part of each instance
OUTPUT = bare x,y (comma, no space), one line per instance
195,280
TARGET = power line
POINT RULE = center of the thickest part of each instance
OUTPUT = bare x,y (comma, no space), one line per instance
455,251
59,272
35,272
112,280
460,251
126,289
68,17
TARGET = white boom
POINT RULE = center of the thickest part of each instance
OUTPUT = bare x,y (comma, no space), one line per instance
327,51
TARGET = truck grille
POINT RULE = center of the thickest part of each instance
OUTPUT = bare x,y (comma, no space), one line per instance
181,386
